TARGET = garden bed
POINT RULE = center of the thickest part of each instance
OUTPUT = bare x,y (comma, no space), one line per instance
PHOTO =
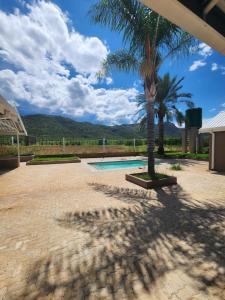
143,180
54,159
108,154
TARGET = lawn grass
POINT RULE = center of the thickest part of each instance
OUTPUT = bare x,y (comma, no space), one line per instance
146,176
55,158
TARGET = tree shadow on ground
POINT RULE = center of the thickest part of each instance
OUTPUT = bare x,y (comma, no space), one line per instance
126,195
4,171
129,249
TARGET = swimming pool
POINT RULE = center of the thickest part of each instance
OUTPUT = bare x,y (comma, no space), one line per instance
122,164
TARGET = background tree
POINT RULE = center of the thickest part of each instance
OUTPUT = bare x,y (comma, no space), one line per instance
149,40
167,98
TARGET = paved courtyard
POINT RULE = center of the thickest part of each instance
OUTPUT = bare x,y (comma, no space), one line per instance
68,232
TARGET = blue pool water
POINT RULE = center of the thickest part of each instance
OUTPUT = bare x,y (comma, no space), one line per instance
109,165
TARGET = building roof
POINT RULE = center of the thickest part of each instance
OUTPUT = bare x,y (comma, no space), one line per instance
10,120
205,19
215,124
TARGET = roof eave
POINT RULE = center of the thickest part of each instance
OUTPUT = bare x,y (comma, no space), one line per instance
180,15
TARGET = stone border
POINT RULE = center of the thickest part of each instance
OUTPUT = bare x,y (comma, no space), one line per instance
25,158
9,163
52,162
151,184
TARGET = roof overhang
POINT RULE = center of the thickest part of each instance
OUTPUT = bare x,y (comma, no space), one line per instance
205,19
10,120
215,124
211,130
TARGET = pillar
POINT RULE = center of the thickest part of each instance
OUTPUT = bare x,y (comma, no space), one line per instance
184,140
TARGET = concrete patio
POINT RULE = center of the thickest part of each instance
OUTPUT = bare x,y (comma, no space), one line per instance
68,232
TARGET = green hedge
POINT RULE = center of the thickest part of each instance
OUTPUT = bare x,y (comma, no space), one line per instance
55,155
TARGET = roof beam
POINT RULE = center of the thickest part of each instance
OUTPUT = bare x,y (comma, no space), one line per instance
209,7
221,5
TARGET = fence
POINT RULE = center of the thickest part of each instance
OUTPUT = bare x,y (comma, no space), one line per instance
70,141
11,140
49,145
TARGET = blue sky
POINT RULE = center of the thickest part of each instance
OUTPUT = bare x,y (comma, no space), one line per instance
50,53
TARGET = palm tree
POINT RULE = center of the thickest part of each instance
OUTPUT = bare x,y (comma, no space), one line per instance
149,39
167,97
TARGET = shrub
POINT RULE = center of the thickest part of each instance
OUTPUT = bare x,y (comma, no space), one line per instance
176,167
8,151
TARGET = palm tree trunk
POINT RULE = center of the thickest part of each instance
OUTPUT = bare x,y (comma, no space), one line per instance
161,135
150,134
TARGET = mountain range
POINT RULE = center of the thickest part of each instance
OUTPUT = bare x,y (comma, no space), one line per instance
58,126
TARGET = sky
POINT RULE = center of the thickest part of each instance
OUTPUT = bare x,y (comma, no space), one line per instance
50,53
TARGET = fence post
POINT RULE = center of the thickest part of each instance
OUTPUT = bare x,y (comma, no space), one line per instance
134,145
63,144
103,144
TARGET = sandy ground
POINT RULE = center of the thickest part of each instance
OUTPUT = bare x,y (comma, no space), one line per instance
70,232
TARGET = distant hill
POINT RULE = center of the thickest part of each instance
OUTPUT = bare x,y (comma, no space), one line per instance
57,126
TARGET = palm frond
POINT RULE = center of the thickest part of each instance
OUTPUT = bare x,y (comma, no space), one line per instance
143,123
189,103
167,99
137,23
180,118
122,60
181,45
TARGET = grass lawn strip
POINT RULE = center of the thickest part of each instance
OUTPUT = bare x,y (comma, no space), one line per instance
55,158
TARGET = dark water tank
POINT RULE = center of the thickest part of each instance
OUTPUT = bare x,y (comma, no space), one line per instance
193,118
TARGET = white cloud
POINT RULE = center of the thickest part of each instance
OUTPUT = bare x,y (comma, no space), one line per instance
70,96
214,67
197,64
204,50
178,125
212,109
41,51
41,39
223,105
109,80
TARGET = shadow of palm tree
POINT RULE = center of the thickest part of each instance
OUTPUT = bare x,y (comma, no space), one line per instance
128,250
123,194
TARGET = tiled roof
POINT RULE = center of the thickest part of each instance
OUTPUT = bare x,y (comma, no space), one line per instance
215,124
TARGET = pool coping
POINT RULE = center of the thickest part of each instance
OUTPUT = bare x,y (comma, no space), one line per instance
115,161
87,163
